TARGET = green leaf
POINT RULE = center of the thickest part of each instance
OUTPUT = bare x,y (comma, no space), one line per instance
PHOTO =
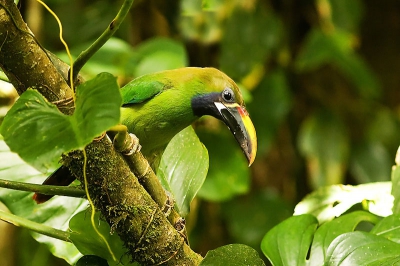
329,202
269,107
91,260
336,48
232,255
347,15
388,227
183,168
88,242
370,162
361,248
257,28
288,242
323,141
116,57
327,232
224,182
159,54
40,133
211,5
55,213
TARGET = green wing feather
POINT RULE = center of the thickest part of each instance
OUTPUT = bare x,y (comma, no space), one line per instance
140,90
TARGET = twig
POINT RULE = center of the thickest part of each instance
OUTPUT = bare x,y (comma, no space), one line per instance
36,227
111,29
43,189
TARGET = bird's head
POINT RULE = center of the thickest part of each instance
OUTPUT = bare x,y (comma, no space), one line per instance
224,101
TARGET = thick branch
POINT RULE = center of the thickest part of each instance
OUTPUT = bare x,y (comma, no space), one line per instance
129,209
24,61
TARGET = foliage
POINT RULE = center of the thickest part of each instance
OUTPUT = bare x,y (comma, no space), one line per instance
321,95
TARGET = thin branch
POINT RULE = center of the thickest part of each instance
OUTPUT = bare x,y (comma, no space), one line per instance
43,189
104,37
36,227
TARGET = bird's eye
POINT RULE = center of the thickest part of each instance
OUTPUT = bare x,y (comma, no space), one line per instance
228,95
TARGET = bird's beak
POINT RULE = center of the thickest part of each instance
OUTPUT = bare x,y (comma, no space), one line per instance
239,123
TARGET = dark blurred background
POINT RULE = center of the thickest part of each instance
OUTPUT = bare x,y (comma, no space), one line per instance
320,82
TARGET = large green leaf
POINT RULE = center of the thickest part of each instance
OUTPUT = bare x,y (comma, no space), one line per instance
183,168
361,248
55,213
288,243
232,255
88,242
229,174
40,133
327,232
324,142
329,202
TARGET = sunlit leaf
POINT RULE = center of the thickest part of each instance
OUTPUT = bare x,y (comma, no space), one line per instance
183,168
323,141
361,248
329,202
285,245
233,255
55,213
40,133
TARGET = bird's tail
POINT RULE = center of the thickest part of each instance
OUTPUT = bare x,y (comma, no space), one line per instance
61,177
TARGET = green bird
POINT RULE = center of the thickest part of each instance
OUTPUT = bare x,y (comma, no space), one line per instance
155,107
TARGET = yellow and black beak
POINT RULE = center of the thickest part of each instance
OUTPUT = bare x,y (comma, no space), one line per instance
239,123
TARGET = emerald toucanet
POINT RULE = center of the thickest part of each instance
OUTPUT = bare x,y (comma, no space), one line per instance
155,107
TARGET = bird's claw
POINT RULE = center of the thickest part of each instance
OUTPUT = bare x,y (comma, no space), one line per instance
134,145
131,145
169,204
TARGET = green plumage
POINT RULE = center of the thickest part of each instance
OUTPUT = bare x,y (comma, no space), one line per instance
157,106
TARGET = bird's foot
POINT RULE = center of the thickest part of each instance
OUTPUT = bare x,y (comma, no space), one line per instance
127,144
133,146
169,204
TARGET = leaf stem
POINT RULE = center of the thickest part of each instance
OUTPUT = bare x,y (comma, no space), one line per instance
36,227
43,189
109,31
